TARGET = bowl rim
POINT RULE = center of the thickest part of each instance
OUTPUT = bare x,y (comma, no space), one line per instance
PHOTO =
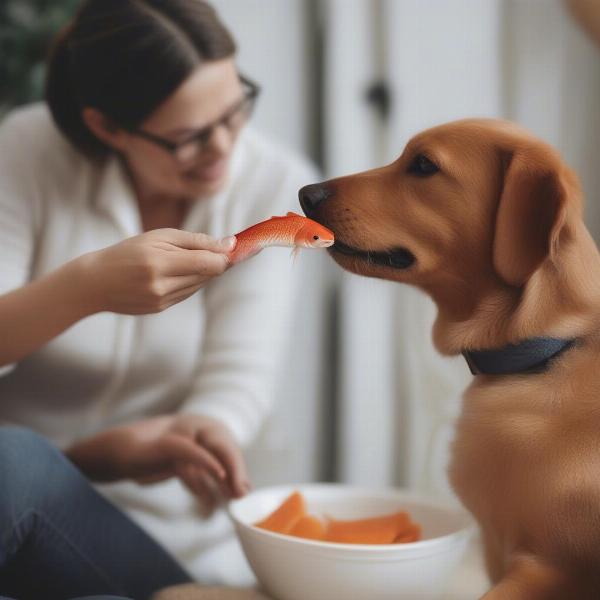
409,495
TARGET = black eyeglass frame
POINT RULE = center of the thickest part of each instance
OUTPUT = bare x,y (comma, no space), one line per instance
205,134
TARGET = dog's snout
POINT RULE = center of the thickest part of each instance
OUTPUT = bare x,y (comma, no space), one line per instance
311,196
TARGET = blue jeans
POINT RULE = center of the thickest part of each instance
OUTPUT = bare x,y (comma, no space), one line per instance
60,539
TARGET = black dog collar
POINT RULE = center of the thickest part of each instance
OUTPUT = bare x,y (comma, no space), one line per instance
529,356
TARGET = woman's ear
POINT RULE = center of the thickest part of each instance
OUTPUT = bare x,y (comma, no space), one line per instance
531,214
103,128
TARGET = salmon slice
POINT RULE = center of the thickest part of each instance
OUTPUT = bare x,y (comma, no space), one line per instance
308,527
376,530
286,516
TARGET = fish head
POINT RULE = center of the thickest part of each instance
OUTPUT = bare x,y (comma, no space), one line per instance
314,235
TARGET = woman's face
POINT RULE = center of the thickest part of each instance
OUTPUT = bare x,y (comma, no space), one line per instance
206,96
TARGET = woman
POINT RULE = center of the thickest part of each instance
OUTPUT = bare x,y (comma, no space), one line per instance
117,202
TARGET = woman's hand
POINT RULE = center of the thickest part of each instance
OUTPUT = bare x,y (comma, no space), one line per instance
152,271
199,450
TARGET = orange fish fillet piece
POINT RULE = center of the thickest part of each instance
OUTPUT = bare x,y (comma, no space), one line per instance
411,534
286,516
308,527
375,530
291,518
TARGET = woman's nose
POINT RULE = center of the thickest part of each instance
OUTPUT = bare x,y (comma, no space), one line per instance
220,141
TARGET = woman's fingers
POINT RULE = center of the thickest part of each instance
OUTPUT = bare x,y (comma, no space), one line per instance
200,483
187,475
182,449
180,295
196,241
232,459
155,477
203,263
176,286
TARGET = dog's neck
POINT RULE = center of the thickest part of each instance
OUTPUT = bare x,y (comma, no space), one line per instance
557,301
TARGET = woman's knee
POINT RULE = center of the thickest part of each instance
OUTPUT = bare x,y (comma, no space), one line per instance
24,446
29,463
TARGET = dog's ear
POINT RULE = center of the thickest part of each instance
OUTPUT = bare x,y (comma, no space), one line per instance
531,214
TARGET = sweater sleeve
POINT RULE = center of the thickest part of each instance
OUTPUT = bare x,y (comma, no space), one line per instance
248,318
18,199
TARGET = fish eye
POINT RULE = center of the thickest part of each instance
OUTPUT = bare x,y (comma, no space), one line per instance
315,237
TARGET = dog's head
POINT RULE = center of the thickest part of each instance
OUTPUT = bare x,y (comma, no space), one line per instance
469,204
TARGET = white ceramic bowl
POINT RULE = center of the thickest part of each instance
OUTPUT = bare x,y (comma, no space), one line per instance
291,568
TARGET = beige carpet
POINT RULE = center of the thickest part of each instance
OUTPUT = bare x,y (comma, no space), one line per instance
198,592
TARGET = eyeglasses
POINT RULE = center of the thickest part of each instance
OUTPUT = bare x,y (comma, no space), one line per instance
233,120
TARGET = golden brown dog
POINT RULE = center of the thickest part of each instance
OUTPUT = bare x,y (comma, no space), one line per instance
488,221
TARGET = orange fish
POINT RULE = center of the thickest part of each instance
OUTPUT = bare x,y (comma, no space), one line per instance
292,231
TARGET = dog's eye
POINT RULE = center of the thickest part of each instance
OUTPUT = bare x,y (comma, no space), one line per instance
422,166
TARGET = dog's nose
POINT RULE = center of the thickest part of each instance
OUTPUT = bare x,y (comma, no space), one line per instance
312,195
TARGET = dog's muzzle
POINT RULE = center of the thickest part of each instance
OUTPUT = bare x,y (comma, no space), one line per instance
314,195
396,258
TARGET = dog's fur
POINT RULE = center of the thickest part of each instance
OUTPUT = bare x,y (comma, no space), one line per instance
501,247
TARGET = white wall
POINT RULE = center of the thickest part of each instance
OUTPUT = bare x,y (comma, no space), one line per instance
274,48
554,88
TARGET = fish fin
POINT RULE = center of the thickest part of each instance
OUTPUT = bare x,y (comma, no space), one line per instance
295,251
289,214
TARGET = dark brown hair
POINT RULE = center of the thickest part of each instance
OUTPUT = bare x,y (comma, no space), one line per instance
125,57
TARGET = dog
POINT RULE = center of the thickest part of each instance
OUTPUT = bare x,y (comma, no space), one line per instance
488,220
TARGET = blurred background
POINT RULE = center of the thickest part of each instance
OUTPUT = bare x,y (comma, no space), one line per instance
363,396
